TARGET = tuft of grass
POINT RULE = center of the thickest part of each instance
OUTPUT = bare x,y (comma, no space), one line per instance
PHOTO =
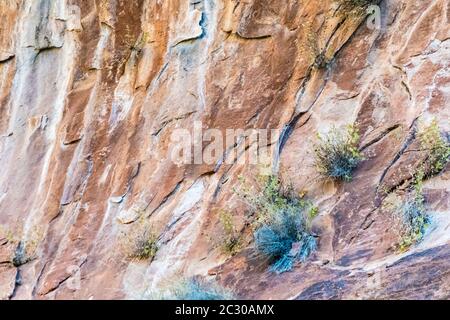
413,213
350,5
410,214
337,154
26,246
437,147
415,216
231,240
284,240
195,289
21,257
282,226
321,61
140,244
354,9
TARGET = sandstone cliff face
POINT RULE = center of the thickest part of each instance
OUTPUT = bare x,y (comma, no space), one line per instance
91,92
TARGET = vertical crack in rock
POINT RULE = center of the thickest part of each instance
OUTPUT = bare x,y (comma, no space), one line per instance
408,140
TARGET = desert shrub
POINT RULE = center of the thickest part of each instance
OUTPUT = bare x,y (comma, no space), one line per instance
437,148
282,225
140,243
26,245
415,216
193,289
231,240
410,213
337,153
21,255
284,240
350,5
354,9
321,61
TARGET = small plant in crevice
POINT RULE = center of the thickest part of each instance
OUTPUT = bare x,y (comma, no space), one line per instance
231,239
194,288
140,243
312,49
282,227
412,210
411,214
437,147
321,61
414,218
26,247
337,154
21,257
139,43
354,5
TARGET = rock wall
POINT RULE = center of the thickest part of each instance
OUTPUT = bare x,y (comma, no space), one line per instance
91,92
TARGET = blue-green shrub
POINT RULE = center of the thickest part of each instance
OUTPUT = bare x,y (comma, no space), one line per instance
415,216
195,289
282,227
437,146
337,154
276,238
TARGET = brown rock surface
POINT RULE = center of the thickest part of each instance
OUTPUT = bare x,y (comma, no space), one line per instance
91,91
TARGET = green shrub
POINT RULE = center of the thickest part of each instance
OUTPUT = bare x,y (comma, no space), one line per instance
414,215
21,257
231,240
354,4
282,226
437,148
283,240
26,246
337,154
140,244
409,212
194,289
354,9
